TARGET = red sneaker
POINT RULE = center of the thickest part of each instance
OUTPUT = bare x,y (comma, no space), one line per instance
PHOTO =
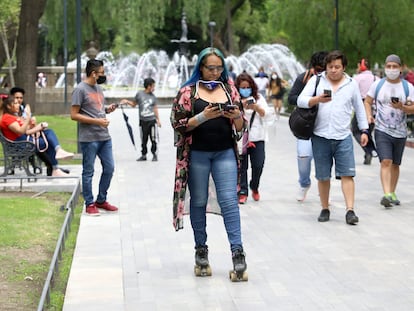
242,198
255,195
91,210
106,206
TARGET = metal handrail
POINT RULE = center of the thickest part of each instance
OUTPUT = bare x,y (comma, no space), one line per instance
60,245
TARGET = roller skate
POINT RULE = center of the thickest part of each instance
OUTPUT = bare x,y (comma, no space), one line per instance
238,273
202,267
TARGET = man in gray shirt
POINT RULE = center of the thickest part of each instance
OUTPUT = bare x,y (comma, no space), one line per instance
148,118
88,108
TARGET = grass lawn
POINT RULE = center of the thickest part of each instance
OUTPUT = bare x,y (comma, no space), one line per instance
29,228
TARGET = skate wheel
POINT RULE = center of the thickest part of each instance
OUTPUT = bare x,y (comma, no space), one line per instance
202,271
234,277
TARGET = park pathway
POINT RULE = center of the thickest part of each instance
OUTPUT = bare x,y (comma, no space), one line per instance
134,260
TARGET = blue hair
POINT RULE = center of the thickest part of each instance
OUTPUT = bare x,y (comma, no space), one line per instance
196,75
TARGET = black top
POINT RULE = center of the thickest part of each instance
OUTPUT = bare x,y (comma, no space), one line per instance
297,88
212,135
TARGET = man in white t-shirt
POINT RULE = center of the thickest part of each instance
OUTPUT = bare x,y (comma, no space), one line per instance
392,105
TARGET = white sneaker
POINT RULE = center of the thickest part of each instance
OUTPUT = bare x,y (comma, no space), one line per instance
59,173
63,155
302,193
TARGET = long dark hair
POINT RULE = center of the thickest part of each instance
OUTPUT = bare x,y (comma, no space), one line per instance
6,102
196,75
244,76
278,81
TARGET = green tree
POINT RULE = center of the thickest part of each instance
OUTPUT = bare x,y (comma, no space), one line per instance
8,32
370,28
132,25
26,52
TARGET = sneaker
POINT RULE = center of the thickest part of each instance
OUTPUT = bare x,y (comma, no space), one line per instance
302,193
106,206
367,159
324,216
394,199
59,173
386,201
242,198
63,155
91,210
255,195
351,218
155,158
142,158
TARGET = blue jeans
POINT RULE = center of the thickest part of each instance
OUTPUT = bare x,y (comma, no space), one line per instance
52,143
257,158
223,168
102,149
304,151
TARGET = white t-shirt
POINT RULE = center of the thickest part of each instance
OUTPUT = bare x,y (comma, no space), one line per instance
388,119
262,83
257,130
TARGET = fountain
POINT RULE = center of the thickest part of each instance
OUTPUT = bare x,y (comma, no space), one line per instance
125,74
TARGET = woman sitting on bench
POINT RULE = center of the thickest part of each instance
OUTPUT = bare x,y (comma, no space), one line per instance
16,128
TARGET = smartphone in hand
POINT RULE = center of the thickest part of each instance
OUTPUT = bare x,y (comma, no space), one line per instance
395,99
327,93
230,107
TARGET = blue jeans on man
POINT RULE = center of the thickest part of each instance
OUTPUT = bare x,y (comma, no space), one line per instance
90,150
222,166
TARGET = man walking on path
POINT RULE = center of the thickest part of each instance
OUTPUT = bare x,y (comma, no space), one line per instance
393,103
337,95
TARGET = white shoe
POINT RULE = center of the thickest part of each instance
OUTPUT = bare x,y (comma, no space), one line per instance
302,193
59,173
63,155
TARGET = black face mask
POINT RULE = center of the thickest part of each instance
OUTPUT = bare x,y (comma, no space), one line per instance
101,79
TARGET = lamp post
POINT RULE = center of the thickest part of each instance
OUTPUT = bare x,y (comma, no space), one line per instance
211,24
336,17
78,55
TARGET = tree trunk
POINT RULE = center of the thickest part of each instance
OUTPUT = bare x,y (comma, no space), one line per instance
26,50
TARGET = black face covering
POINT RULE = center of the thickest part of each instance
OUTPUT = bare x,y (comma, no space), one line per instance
101,79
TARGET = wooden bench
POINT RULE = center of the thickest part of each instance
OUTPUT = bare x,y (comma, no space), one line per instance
19,155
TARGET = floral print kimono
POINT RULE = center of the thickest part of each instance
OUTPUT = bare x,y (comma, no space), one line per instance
181,112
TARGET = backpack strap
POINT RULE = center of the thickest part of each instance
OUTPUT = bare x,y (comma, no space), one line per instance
381,83
318,78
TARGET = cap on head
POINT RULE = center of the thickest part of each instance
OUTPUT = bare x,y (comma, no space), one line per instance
393,58
362,65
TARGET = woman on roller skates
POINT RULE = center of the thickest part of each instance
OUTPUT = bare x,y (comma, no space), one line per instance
208,120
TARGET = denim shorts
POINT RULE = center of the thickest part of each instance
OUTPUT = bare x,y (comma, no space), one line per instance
389,147
325,151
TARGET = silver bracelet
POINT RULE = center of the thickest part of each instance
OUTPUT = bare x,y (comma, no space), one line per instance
201,118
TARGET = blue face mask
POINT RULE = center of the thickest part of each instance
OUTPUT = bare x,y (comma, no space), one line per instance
245,92
211,85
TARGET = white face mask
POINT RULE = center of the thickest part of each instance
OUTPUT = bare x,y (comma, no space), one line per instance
392,74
